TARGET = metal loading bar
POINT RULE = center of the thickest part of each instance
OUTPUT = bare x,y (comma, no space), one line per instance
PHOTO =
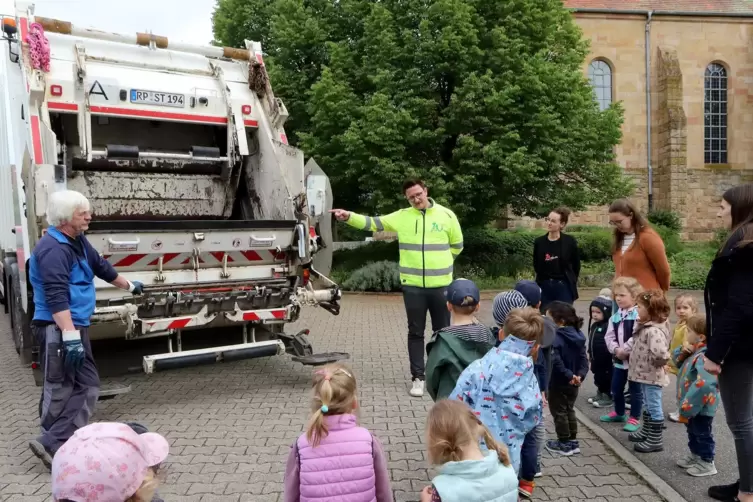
211,355
128,152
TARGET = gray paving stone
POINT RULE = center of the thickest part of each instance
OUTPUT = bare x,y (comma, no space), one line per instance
230,426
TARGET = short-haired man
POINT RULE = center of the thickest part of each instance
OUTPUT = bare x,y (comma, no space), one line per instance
62,268
430,239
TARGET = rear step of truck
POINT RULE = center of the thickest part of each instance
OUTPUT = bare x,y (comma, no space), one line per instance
297,345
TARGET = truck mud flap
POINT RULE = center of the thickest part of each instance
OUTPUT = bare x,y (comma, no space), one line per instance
112,390
211,355
303,352
321,358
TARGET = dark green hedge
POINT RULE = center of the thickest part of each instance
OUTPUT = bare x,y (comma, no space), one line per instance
501,253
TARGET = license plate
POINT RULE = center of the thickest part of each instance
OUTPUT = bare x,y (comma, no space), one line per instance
157,98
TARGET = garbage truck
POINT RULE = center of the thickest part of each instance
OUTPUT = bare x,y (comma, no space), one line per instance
194,188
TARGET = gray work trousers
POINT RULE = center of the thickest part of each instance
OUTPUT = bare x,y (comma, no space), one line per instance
68,395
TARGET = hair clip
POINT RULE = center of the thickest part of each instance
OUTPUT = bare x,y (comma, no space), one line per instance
325,408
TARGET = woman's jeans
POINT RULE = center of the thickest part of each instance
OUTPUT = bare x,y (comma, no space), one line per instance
736,389
652,400
554,290
619,379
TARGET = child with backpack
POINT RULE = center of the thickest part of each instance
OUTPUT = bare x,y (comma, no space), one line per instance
335,459
697,399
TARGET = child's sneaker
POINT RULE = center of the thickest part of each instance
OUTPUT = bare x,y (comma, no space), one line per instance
613,417
575,446
632,425
702,468
564,448
688,461
594,398
538,474
525,488
674,417
604,402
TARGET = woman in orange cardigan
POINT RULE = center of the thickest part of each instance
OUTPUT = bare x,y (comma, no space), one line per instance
637,250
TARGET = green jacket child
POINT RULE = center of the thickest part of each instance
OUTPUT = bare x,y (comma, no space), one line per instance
453,348
450,351
697,389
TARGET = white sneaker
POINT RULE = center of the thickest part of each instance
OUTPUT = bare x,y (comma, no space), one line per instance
688,461
538,475
418,388
701,469
674,417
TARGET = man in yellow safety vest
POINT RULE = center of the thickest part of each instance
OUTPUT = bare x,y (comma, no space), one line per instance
430,239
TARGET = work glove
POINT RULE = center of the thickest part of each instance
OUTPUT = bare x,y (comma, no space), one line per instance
74,349
135,287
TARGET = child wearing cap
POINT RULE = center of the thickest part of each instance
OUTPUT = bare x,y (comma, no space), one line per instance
501,387
108,462
598,354
453,348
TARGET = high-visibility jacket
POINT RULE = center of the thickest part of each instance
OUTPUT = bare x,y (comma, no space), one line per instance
429,242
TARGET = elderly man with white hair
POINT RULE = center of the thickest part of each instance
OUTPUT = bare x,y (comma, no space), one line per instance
62,268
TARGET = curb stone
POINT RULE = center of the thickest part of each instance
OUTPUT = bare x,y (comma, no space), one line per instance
661,487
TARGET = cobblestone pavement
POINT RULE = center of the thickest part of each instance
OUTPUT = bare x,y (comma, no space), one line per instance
230,426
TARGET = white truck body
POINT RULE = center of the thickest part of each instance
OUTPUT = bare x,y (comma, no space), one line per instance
195,192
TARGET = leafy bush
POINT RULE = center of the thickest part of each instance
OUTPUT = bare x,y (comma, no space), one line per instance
595,244
720,237
346,233
352,259
690,267
596,274
382,276
668,219
671,238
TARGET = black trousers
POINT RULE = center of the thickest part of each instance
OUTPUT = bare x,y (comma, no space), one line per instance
562,406
418,301
602,370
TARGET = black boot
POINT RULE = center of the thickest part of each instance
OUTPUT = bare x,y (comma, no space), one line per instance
641,434
655,437
725,492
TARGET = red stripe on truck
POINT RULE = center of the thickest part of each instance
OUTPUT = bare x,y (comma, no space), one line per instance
63,107
133,112
165,258
251,255
36,138
180,323
129,260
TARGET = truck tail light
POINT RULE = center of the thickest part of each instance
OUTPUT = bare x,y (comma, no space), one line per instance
56,90
306,276
246,109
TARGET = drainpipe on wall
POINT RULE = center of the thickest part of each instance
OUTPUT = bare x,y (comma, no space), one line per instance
648,112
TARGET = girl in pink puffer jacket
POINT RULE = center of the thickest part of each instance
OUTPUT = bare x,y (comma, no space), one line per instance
336,460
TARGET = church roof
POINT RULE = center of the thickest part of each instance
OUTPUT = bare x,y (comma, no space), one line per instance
699,6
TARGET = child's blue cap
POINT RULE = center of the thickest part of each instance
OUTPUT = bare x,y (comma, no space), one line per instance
530,290
463,293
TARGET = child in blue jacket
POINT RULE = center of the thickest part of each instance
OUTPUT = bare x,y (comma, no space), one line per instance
501,388
697,399
569,368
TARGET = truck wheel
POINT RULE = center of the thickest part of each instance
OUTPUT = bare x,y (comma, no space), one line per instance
22,337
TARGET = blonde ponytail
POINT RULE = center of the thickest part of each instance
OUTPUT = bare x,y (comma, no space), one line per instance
451,426
334,389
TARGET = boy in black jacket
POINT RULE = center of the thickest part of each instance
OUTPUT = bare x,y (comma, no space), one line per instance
569,368
601,360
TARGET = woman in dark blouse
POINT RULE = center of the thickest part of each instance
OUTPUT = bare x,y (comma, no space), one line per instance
556,261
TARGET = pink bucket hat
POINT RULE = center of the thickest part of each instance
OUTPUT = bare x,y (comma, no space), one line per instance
105,462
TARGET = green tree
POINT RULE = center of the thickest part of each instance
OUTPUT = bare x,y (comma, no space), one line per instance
485,100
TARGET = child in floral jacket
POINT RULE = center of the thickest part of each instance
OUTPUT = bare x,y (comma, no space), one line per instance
697,398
